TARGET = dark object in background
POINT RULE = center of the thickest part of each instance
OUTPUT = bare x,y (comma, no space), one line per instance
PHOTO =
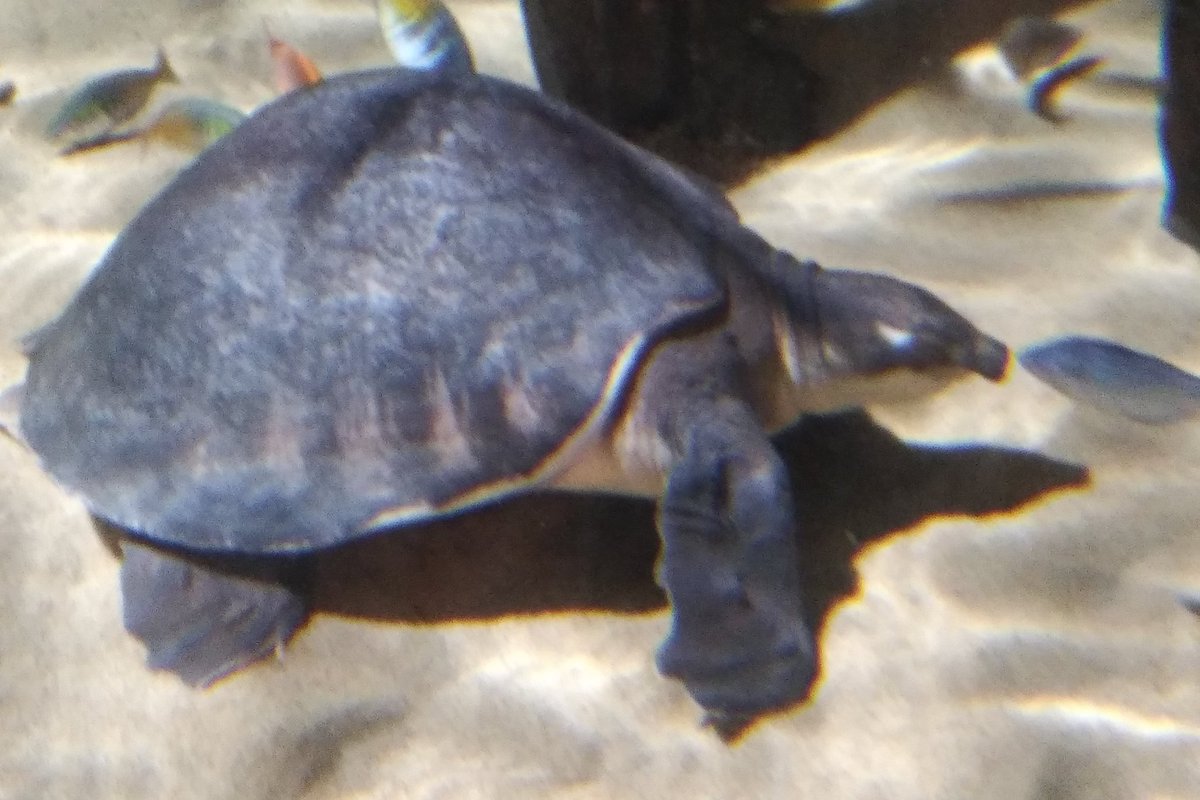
8,90
690,75
1179,123
1029,44
720,85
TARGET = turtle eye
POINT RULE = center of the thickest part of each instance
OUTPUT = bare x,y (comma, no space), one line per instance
916,349
900,339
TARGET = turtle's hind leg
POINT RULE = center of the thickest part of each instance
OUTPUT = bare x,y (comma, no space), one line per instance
729,564
206,620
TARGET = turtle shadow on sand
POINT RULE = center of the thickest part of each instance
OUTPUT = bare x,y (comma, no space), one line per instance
854,483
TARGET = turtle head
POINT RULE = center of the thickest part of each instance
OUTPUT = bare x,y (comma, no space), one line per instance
869,324
857,337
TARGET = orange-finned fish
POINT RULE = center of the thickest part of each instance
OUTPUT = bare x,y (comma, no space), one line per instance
189,123
423,34
1115,378
115,96
292,69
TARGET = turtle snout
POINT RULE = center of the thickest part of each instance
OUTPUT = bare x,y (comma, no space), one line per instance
989,357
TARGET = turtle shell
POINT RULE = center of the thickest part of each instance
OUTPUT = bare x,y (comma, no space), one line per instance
378,300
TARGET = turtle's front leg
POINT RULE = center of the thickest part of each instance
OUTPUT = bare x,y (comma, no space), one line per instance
729,565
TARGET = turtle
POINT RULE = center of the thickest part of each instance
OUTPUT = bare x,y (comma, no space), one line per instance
399,295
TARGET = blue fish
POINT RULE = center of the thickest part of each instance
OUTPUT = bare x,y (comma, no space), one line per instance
115,97
423,34
1115,378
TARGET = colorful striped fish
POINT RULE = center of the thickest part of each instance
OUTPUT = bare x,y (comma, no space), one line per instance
423,34
1031,44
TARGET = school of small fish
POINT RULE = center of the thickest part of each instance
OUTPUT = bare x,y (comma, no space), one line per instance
1030,44
421,34
1094,372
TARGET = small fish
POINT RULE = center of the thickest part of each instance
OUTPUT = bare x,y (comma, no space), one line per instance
1115,378
8,90
292,69
1029,44
189,123
116,97
423,34
1043,90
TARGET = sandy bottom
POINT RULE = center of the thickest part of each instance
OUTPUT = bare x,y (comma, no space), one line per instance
1014,634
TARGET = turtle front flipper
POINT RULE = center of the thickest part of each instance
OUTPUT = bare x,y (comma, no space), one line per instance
205,622
729,565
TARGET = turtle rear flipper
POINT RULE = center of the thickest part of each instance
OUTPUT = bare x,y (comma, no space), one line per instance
203,622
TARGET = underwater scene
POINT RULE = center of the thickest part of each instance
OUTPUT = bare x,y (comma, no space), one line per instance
634,398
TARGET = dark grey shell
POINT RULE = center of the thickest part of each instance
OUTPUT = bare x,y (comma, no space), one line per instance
385,297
